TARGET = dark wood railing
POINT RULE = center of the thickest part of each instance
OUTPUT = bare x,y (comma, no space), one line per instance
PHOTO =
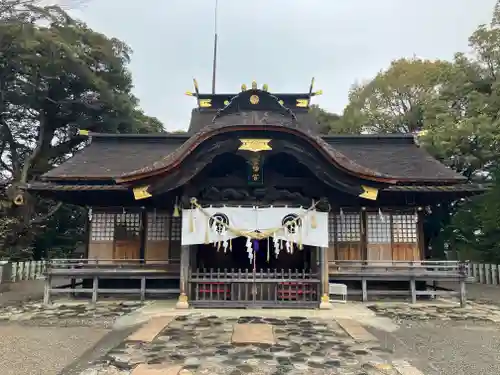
100,269
423,271
263,288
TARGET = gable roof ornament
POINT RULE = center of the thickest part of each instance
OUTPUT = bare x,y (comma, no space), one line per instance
261,99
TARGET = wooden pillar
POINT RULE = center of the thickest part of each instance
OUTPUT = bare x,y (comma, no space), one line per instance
143,233
183,303
420,234
463,294
88,231
363,240
46,291
325,298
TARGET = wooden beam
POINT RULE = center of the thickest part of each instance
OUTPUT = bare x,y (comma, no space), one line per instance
143,235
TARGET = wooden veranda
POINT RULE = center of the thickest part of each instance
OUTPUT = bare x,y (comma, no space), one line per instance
229,288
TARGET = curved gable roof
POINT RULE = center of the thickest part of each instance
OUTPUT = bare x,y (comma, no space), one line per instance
111,156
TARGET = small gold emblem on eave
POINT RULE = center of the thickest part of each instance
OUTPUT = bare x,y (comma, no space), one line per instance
141,192
369,193
254,99
255,145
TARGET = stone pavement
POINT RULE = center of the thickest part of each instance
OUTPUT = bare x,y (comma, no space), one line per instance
157,339
203,344
69,313
443,310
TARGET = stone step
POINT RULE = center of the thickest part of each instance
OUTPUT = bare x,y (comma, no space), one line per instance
405,368
253,334
144,369
355,330
151,329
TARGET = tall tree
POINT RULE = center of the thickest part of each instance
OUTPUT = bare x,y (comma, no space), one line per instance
56,74
393,101
463,125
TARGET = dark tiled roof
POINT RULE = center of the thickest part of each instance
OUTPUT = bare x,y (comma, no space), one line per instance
201,118
395,155
472,188
391,156
108,157
39,186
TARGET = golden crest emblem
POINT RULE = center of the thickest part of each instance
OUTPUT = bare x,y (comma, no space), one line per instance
254,99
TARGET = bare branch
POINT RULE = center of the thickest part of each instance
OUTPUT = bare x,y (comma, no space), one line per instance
41,219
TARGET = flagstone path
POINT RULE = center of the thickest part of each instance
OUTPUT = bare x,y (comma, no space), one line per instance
67,314
210,345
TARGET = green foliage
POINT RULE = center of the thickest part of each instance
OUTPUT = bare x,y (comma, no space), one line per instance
455,107
332,123
56,74
393,101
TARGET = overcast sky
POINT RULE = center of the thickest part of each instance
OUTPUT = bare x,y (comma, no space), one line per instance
279,42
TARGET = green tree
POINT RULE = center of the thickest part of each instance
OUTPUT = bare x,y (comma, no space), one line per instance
332,123
462,125
393,101
56,74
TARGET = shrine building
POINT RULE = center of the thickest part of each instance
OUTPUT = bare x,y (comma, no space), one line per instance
253,206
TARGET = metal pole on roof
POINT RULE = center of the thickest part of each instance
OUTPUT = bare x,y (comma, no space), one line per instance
214,66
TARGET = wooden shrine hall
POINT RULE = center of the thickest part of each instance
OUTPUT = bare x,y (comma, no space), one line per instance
254,207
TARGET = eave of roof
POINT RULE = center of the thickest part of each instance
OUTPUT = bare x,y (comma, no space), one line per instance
353,152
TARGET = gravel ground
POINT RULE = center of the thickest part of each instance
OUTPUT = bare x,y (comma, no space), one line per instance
43,350
447,347
478,292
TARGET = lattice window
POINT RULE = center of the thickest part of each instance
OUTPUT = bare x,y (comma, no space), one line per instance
176,228
102,227
128,226
157,227
348,227
404,228
163,226
378,228
331,228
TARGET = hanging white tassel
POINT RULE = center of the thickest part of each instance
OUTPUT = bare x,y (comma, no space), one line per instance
381,216
277,245
225,242
341,214
249,249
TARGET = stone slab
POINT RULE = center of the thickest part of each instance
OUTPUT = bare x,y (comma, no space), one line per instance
355,330
144,369
405,368
151,329
253,334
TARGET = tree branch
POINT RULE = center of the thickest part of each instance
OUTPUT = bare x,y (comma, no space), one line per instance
41,219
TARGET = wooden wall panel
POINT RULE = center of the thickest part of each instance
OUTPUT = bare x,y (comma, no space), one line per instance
349,251
156,250
100,250
127,249
380,252
406,251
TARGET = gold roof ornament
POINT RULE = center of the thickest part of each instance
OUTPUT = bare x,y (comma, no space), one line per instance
243,87
265,87
254,85
369,192
205,103
254,99
141,192
302,103
255,145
